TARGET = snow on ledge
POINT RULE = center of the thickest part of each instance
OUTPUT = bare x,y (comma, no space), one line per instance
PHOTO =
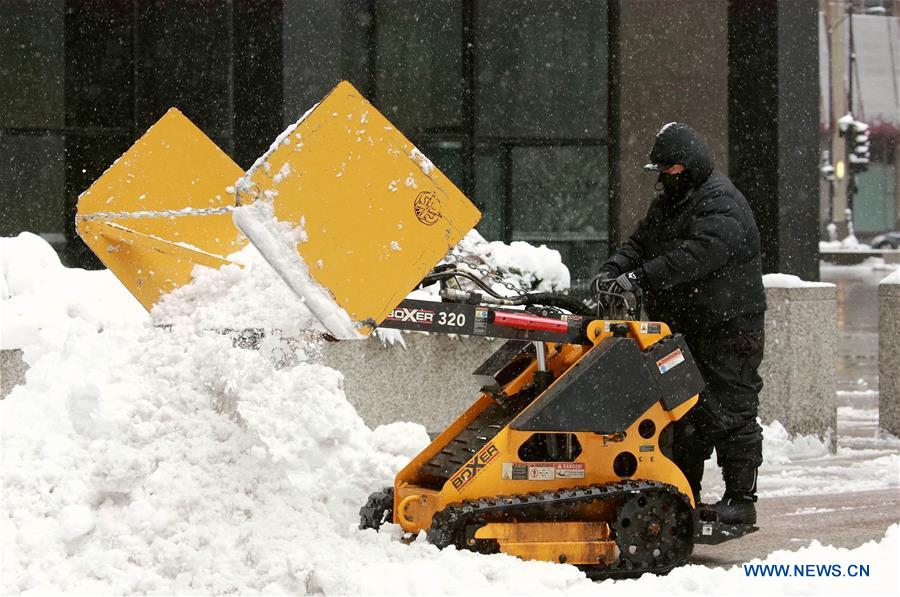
789,281
894,278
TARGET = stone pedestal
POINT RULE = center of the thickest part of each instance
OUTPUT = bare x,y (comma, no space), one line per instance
889,354
12,371
801,354
429,381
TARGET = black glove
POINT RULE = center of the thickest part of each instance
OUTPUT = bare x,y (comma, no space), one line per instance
630,281
601,281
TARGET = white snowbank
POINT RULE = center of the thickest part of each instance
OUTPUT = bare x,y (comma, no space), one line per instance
789,281
850,243
893,278
138,459
779,447
44,303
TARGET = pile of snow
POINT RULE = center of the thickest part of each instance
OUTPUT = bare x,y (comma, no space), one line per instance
530,268
44,303
780,447
256,297
893,278
143,459
850,243
789,281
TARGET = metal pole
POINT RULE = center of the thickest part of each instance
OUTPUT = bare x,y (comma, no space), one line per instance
851,178
837,46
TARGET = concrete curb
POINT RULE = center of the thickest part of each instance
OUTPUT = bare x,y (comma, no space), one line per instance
889,356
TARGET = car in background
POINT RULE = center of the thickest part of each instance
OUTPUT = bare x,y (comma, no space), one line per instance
888,240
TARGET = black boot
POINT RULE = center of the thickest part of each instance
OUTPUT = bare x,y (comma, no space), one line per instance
738,505
736,510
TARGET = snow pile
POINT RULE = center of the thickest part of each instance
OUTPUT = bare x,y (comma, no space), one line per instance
170,461
779,447
43,302
789,281
237,298
879,556
524,266
849,243
138,459
893,278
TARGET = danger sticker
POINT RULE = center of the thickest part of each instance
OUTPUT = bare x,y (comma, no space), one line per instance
670,361
570,470
544,471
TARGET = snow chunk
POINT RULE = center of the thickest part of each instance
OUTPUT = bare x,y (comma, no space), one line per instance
780,447
789,281
75,521
893,278
423,162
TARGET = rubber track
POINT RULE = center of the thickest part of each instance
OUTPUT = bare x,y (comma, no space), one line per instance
449,526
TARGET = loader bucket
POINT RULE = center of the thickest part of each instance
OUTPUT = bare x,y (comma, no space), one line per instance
375,214
347,211
161,208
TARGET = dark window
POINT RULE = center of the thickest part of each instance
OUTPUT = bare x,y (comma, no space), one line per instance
541,68
31,67
419,76
509,99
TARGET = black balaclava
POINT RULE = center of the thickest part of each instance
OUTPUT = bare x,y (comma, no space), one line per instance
677,143
676,186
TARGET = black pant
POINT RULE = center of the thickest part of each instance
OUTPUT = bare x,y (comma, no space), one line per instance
725,417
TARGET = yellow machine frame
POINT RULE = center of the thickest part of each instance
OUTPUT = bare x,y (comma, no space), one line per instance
583,541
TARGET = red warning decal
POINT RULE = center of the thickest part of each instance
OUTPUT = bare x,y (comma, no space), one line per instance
670,361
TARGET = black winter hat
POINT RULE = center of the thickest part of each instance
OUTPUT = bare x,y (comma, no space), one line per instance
677,143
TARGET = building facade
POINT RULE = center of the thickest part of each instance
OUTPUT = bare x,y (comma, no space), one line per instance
541,111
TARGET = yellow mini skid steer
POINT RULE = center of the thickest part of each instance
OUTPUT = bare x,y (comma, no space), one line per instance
564,456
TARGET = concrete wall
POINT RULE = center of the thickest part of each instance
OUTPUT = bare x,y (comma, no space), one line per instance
429,380
889,355
673,59
12,371
801,355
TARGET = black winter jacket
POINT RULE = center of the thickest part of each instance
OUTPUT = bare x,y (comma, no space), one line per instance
700,257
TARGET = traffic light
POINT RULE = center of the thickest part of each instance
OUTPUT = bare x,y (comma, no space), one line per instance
856,134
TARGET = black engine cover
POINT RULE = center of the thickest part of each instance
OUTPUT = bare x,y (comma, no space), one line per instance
614,384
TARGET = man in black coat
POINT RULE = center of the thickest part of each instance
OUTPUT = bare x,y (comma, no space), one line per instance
696,257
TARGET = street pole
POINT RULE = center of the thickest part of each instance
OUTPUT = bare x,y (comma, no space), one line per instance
834,17
851,176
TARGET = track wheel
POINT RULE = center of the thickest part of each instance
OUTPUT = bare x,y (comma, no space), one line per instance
653,532
379,509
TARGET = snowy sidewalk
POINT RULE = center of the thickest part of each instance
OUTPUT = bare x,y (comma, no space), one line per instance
842,520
